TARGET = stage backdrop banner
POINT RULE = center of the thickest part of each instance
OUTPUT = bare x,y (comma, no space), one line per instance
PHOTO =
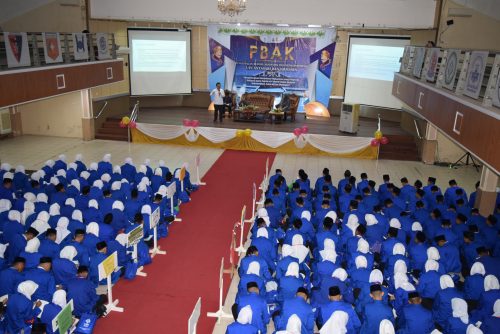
271,59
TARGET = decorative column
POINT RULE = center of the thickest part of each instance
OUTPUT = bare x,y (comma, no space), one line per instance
487,192
429,145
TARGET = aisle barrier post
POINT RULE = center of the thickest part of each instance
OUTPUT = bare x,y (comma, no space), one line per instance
254,200
220,312
133,238
240,248
193,318
197,164
171,189
106,268
154,220
182,175
262,187
232,253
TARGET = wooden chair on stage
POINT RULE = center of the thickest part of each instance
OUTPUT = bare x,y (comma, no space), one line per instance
294,105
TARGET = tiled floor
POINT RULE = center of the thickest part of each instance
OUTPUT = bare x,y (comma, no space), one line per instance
33,151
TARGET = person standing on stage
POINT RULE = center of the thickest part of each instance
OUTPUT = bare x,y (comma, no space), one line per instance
218,99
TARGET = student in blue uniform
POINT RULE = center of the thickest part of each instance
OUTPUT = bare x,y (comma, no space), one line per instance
289,283
375,312
459,321
337,304
48,246
12,276
43,276
474,284
83,293
441,309
31,254
102,250
21,310
243,324
491,323
52,309
298,306
260,311
488,298
64,267
415,319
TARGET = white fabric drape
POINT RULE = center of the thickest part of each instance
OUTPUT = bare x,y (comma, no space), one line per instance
161,131
272,139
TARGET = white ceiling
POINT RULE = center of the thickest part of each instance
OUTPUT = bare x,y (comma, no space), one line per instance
12,8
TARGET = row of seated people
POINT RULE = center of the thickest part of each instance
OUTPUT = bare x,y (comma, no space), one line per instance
406,259
59,223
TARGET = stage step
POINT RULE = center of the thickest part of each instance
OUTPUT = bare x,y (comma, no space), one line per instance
400,147
111,130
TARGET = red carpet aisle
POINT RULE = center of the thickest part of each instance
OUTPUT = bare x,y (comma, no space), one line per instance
163,301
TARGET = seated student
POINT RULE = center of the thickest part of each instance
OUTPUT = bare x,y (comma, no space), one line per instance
106,231
21,311
398,254
253,274
327,262
293,231
459,321
3,264
31,254
64,267
63,235
488,298
243,324
95,260
441,309
52,309
119,245
374,231
18,243
418,253
491,264
91,238
402,287
388,244
252,255
474,284
363,249
282,266
375,311
376,277
414,318
290,282
491,322
336,304
83,293
297,306
92,213
82,253
266,247
48,246
450,256
43,276
338,278
12,276
143,256
360,273
428,284
260,311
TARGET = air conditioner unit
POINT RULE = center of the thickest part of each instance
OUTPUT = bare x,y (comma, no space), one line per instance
349,117
5,125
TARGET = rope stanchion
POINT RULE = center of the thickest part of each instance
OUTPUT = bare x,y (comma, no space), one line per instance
254,202
241,249
219,314
197,164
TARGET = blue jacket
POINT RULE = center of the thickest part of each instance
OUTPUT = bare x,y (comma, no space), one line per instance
50,311
455,326
19,312
415,319
237,328
260,312
441,309
9,279
64,270
473,287
83,293
326,311
49,248
302,309
374,313
46,283
428,284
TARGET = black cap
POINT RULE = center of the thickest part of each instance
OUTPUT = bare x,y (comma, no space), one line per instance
413,294
469,235
83,269
334,291
19,260
439,238
303,290
45,259
252,285
101,245
31,230
432,179
375,288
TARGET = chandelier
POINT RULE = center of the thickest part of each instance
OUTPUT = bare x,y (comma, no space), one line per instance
231,7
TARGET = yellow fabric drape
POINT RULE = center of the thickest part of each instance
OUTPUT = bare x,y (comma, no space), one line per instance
247,143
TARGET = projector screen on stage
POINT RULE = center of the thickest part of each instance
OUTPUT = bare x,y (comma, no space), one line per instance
371,64
160,61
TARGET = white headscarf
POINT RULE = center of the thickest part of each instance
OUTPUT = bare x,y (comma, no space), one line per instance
106,157
394,222
340,273
431,265
8,175
49,163
105,177
42,198
93,204
254,268
27,288
416,226
292,270
122,239
141,187
297,240
43,216
62,229
433,254
93,228
70,202
352,223
68,253
59,298
72,166
30,197
77,215
491,283
328,253
361,262
262,212
306,214
262,232
40,225
20,169
3,247
84,174
143,169
116,185
496,308
477,268
62,157
286,250
54,210
376,276
293,325
386,327
398,249
161,163
93,166
459,309
401,282
54,181
32,245
158,172
146,209
370,219
446,282
400,267
78,157
61,172
29,209
5,166
5,205
471,329
363,246
331,214
15,215
117,169
129,161
118,205
98,184
245,315
336,324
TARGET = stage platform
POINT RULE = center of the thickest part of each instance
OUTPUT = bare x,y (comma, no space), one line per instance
326,126
165,126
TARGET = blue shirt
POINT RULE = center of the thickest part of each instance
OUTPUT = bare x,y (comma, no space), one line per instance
415,319
260,312
83,293
326,311
302,309
374,313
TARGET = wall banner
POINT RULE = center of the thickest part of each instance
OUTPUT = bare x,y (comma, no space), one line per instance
17,49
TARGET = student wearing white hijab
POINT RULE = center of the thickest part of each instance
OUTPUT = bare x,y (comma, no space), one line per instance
62,230
441,309
243,323
474,283
51,310
293,326
328,253
22,311
352,224
336,324
386,327
491,322
31,254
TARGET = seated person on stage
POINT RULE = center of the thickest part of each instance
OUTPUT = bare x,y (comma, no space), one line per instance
228,102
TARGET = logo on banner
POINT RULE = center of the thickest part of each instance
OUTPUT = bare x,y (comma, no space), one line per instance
52,46
80,47
325,59
16,45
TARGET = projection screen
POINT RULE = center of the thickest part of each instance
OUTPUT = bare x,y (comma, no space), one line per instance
160,61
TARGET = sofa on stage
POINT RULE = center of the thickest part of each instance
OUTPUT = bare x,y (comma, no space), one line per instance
262,104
